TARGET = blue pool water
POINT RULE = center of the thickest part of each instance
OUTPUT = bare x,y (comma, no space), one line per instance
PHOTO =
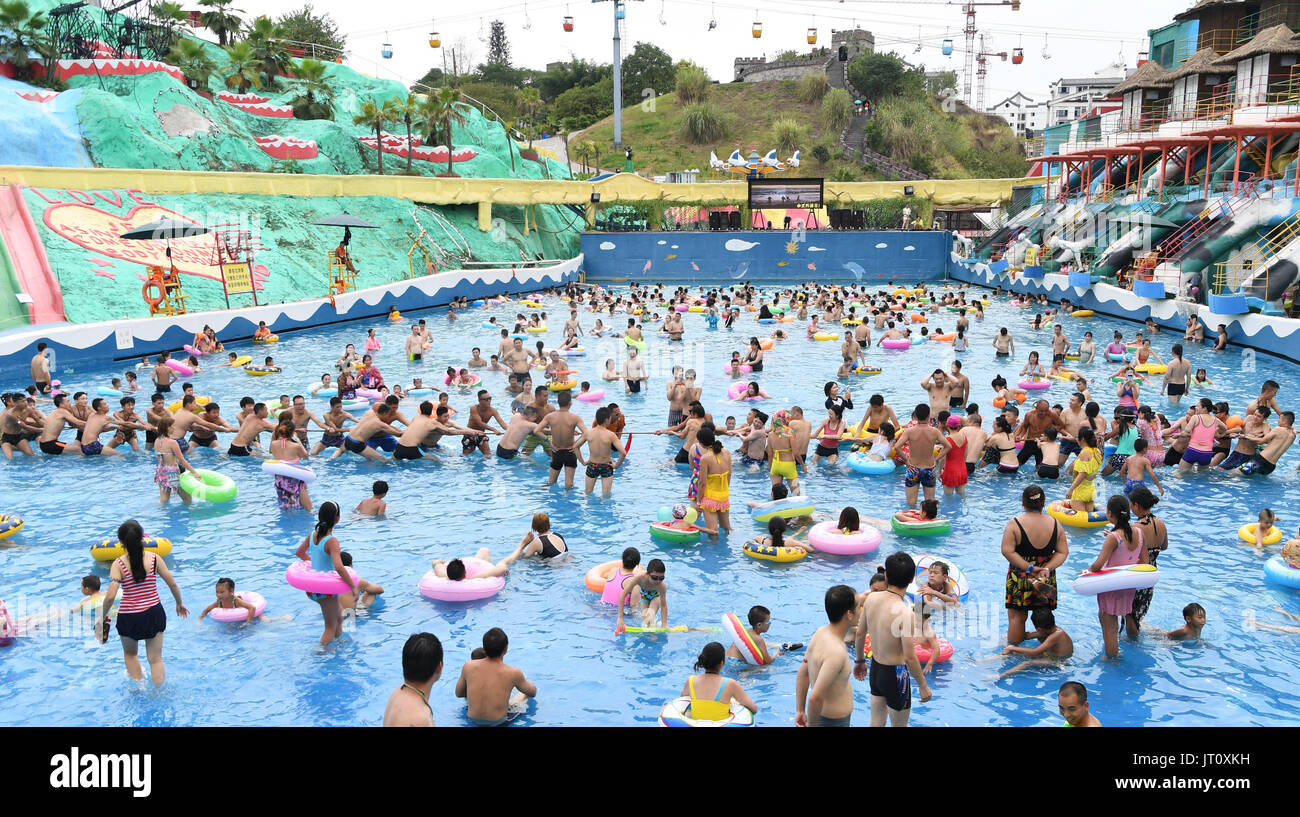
272,673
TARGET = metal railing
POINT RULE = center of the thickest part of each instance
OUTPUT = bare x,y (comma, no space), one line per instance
1253,263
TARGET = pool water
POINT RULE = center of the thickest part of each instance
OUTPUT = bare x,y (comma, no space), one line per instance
274,673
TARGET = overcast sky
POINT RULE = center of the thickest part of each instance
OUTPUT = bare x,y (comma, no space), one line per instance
1081,37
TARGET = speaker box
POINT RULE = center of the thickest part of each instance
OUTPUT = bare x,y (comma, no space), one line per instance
715,220
733,220
859,219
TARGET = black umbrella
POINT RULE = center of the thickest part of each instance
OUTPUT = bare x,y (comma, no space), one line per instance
165,229
347,221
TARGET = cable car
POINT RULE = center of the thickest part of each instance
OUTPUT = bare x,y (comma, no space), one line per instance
568,23
812,36
1017,56
386,51
435,40
947,48
619,12
757,29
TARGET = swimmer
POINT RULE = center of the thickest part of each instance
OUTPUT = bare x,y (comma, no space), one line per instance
1193,623
776,537
227,600
653,594
541,541
1054,644
935,589
601,441
369,590
826,672
1137,468
928,513
711,694
892,625
1263,528
455,569
760,621
421,667
374,505
487,683
1072,699
1202,379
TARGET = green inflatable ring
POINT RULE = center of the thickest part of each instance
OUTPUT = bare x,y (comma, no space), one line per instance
664,531
640,344
933,527
209,486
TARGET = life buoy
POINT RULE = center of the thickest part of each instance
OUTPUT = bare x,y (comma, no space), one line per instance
155,284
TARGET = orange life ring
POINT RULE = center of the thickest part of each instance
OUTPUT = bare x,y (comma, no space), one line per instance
153,302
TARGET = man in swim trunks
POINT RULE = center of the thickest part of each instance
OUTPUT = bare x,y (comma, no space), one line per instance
892,625
826,669
753,439
600,442
80,409
921,440
862,334
1031,429
41,368
97,424
128,423
480,418
1275,442
937,386
958,388
373,422
333,422
1060,344
156,411
421,668
1072,699
634,373
414,345
255,422
207,425
11,427
1267,397
409,444
163,376
1253,431
562,424
1178,375
476,360
48,441
687,430
301,415
1003,343
677,394
1073,418
487,683
518,359
521,425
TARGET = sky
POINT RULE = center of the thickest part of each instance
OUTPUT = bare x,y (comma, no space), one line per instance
1079,44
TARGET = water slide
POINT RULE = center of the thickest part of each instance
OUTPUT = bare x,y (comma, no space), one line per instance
27,257
13,314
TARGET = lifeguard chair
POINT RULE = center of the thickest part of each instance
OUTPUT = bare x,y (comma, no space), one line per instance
342,273
162,291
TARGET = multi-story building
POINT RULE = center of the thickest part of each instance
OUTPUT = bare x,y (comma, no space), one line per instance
1024,115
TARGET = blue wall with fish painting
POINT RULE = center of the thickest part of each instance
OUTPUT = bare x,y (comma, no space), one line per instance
763,255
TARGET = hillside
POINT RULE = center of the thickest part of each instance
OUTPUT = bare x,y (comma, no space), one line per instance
945,146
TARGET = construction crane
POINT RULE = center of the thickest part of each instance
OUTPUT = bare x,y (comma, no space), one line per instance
971,55
982,60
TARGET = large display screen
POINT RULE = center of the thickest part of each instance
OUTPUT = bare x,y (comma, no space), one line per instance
776,193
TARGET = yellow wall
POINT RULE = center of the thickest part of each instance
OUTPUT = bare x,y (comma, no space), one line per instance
623,187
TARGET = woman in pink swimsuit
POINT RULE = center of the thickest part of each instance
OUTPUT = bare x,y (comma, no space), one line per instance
1203,427
1123,547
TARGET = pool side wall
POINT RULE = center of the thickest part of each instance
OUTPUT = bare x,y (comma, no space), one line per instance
1263,333
82,344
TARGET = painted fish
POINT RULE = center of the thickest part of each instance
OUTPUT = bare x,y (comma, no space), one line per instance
812,267
670,257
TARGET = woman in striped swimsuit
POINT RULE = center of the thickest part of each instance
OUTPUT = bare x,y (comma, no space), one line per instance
141,617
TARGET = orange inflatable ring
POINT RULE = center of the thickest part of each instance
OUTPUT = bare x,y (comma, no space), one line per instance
766,344
896,307
1234,422
599,575
917,317
153,302
948,338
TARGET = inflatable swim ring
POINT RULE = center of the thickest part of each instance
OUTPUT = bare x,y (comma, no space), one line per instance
1082,313
958,585
535,330
640,344
1278,570
289,468
1034,385
567,385
591,396
1076,519
1151,368
209,486
745,643
737,391
600,575
9,525
106,550
474,380
1128,577
927,527
1073,356
236,615
1247,534
178,367
242,360
867,370
664,531
896,343
772,553
860,462
922,649
267,339
744,368
301,576
827,537
467,589
261,370
675,714
201,400
791,507
1116,358
826,336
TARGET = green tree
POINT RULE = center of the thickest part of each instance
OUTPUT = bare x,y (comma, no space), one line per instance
191,56
317,98
564,76
169,15
582,107
306,26
433,78
647,67
592,149
264,36
583,154
410,111
443,108
941,82
221,20
20,33
879,76
530,101
498,45
375,116
822,154
244,69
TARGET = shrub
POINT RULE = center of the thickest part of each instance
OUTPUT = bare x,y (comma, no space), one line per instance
812,87
788,134
844,173
703,123
837,109
822,154
692,84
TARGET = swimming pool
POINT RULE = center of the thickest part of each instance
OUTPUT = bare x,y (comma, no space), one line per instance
272,673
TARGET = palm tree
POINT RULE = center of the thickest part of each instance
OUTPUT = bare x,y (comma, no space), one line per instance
311,78
244,65
595,151
376,116
264,37
583,152
530,104
410,111
442,108
168,14
192,58
222,20
20,33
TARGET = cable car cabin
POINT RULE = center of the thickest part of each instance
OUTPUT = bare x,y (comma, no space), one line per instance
812,36
568,24
435,40
757,30
1018,56
947,48
620,13
386,51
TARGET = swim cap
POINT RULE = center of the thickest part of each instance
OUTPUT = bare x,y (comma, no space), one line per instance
781,423
679,511
954,422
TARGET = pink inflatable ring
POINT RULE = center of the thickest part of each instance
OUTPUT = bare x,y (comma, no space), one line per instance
301,576
469,588
828,538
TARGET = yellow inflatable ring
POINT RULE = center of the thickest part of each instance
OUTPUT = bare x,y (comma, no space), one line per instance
1247,534
771,553
825,336
1077,519
106,550
1082,313
569,386
242,360
1151,368
698,309
175,406
536,330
